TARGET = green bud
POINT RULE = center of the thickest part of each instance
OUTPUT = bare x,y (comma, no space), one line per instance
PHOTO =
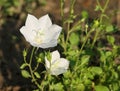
48,55
24,53
39,60
96,23
25,73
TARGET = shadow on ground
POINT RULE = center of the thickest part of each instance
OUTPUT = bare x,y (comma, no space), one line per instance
11,46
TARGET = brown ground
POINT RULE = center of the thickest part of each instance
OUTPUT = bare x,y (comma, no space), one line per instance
12,42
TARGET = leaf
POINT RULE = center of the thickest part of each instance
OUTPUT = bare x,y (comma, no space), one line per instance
16,3
115,86
57,87
97,8
74,39
89,75
72,52
23,66
96,70
37,74
88,82
25,73
48,55
111,39
109,28
118,68
84,60
101,88
84,14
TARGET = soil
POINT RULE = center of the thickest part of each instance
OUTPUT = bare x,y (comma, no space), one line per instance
12,42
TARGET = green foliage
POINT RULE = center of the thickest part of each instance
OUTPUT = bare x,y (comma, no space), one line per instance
95,70
37,74
110,28
84,14
15,7
56,87
23,65
101,88
93,64
25,73
74,39
111,39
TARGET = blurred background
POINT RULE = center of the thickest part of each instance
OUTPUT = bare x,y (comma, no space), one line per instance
13,15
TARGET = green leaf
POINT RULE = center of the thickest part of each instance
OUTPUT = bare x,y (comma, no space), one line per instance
16,3
23,66
57,87
72,52
96,70
89,75
101,88
97,8
67,74
118,68
115,86
25,73
84,60
111,39
37,74
88,82
48,55
84,14
109,28
108,54
96,23
74,39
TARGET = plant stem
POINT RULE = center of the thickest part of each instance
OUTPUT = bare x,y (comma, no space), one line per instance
67,33
36,67
68,24
73,28
31,70
33,77
31,56
77,62
87,36
72,6
101,20
62,10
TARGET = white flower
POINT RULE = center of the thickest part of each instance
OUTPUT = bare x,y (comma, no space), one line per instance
41,32
56,65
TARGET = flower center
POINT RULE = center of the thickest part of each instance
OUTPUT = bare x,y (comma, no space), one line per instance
39,37
55,64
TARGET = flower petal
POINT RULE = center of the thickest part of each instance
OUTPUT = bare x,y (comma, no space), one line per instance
59,67
55,56
29,35
52,43
52,33
32,22
45,22
47,64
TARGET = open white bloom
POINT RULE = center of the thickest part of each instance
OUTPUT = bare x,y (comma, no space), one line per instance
41,32
56,65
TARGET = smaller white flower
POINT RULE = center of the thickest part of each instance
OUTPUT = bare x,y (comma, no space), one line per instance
41,32
56,65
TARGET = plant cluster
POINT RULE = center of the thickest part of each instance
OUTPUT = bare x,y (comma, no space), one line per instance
86,57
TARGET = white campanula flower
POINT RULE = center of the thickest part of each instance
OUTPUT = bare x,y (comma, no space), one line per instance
56,65
41,32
